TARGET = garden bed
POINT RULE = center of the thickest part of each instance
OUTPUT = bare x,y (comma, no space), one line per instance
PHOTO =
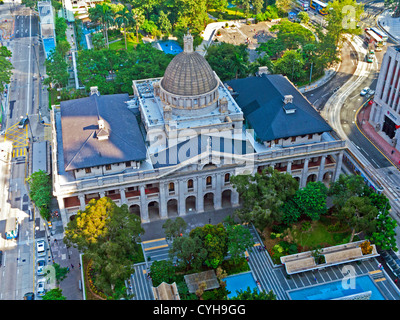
303,236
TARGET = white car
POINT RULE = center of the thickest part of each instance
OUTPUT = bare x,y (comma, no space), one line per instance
364,91
40,247
41,287
41,263
371,92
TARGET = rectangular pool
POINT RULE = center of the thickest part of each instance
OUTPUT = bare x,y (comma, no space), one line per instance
240,282
170,47
334,290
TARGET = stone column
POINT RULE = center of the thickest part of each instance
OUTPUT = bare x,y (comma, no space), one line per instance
303,181
82,201
321,168
102,194
181,198
338,166
63,212
163,201
218,192
144,210
123,196
235,198
289,167
200,196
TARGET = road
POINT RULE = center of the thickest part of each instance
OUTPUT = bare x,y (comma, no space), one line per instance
17,275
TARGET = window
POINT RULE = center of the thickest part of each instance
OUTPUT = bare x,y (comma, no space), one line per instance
127,164
310,136
171,187
88,170
108,167
293,139
190,184
209,181
227,177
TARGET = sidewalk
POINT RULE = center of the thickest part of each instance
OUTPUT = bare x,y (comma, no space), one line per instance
375,137
390,25
65,257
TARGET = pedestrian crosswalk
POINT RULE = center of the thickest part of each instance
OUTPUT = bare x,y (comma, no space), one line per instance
19,152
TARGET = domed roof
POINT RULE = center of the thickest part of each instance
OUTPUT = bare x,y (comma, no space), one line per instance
188,74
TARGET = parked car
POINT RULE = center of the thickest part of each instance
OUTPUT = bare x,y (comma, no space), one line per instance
364,91
41,263
40,248
371,92
23,123
29,296
41,290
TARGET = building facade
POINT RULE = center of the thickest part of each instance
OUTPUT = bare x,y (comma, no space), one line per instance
385,111
171,149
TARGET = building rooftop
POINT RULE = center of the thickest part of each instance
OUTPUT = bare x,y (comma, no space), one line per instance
262,102
99,130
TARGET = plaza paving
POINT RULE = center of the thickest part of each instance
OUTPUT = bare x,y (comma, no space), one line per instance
269,276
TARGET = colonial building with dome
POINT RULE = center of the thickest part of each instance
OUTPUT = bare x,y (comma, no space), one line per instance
170,149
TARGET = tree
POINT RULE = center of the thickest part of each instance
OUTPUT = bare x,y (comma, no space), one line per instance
189,252
258,5
359,214
312,200
284,5
174,228
102,13
54,294
304,17
164,22
254,294
263,196
56,70
385,234
124,18
344,17
139,19
214,241
109,236
393,5
98,41
291,65
239,239
346,187
40,191
5,67
162,271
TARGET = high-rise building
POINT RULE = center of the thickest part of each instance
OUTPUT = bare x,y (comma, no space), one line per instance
385,111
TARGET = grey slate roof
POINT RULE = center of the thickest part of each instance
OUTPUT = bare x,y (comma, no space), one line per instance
261,100
79,126
198,144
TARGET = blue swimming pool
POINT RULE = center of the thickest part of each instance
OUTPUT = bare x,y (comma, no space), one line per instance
333,290
240,282
170,46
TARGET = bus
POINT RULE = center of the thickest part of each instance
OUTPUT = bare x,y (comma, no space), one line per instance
381,34
12,228
372,37
319,6
303,5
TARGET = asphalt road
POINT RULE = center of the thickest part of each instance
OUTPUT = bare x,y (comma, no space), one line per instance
17,274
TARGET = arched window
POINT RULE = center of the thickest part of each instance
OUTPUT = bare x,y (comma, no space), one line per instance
171,187
227,177
190,184
209,181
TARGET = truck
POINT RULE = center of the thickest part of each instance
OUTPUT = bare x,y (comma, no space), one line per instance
12,228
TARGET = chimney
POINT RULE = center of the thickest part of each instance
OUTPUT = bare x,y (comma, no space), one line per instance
94,90
287,99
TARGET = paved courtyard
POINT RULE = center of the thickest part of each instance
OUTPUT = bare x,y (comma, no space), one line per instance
270,277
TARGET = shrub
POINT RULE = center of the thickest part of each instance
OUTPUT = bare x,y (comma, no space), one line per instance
366,247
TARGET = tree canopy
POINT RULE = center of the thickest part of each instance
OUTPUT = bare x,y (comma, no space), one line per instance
109,236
